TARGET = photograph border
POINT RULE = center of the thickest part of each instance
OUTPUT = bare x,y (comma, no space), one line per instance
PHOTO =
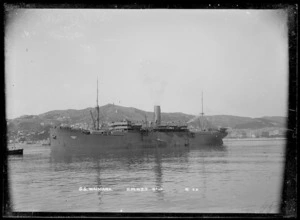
289,193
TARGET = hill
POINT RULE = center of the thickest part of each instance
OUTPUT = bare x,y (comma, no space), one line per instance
36,127
264,122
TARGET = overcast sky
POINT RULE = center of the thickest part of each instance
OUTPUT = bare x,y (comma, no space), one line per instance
238,58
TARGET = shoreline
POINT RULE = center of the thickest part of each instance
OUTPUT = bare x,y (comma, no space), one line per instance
254,139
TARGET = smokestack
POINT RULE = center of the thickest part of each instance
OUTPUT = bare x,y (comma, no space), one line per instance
157,117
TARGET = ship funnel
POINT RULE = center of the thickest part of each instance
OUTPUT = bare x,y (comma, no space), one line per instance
157,116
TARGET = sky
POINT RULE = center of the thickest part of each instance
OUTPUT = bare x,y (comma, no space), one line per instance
147,57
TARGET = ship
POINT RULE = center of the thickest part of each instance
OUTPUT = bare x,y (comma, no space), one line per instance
12,150
15,152
129,135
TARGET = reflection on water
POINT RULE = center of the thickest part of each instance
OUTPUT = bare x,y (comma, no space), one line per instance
236,177
144,161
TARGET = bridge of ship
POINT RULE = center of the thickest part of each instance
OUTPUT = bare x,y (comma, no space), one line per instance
124,126
128,126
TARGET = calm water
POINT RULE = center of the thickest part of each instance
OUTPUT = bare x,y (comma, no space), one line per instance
242,176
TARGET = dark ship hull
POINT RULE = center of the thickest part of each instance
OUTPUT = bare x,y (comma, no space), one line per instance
66,139
15,152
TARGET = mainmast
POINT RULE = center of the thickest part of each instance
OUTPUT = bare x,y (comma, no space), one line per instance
97,108
94,122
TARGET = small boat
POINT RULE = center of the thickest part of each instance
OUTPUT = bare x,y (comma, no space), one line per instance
15,151
12,150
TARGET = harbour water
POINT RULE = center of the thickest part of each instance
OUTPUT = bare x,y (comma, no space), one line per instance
243,176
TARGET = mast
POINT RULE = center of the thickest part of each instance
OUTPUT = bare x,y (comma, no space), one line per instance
97,108
146,121
202,113
94,122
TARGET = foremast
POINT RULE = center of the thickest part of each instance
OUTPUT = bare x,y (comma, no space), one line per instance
98,109
202,113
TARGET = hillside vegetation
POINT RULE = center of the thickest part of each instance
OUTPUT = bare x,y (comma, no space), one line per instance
36,127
